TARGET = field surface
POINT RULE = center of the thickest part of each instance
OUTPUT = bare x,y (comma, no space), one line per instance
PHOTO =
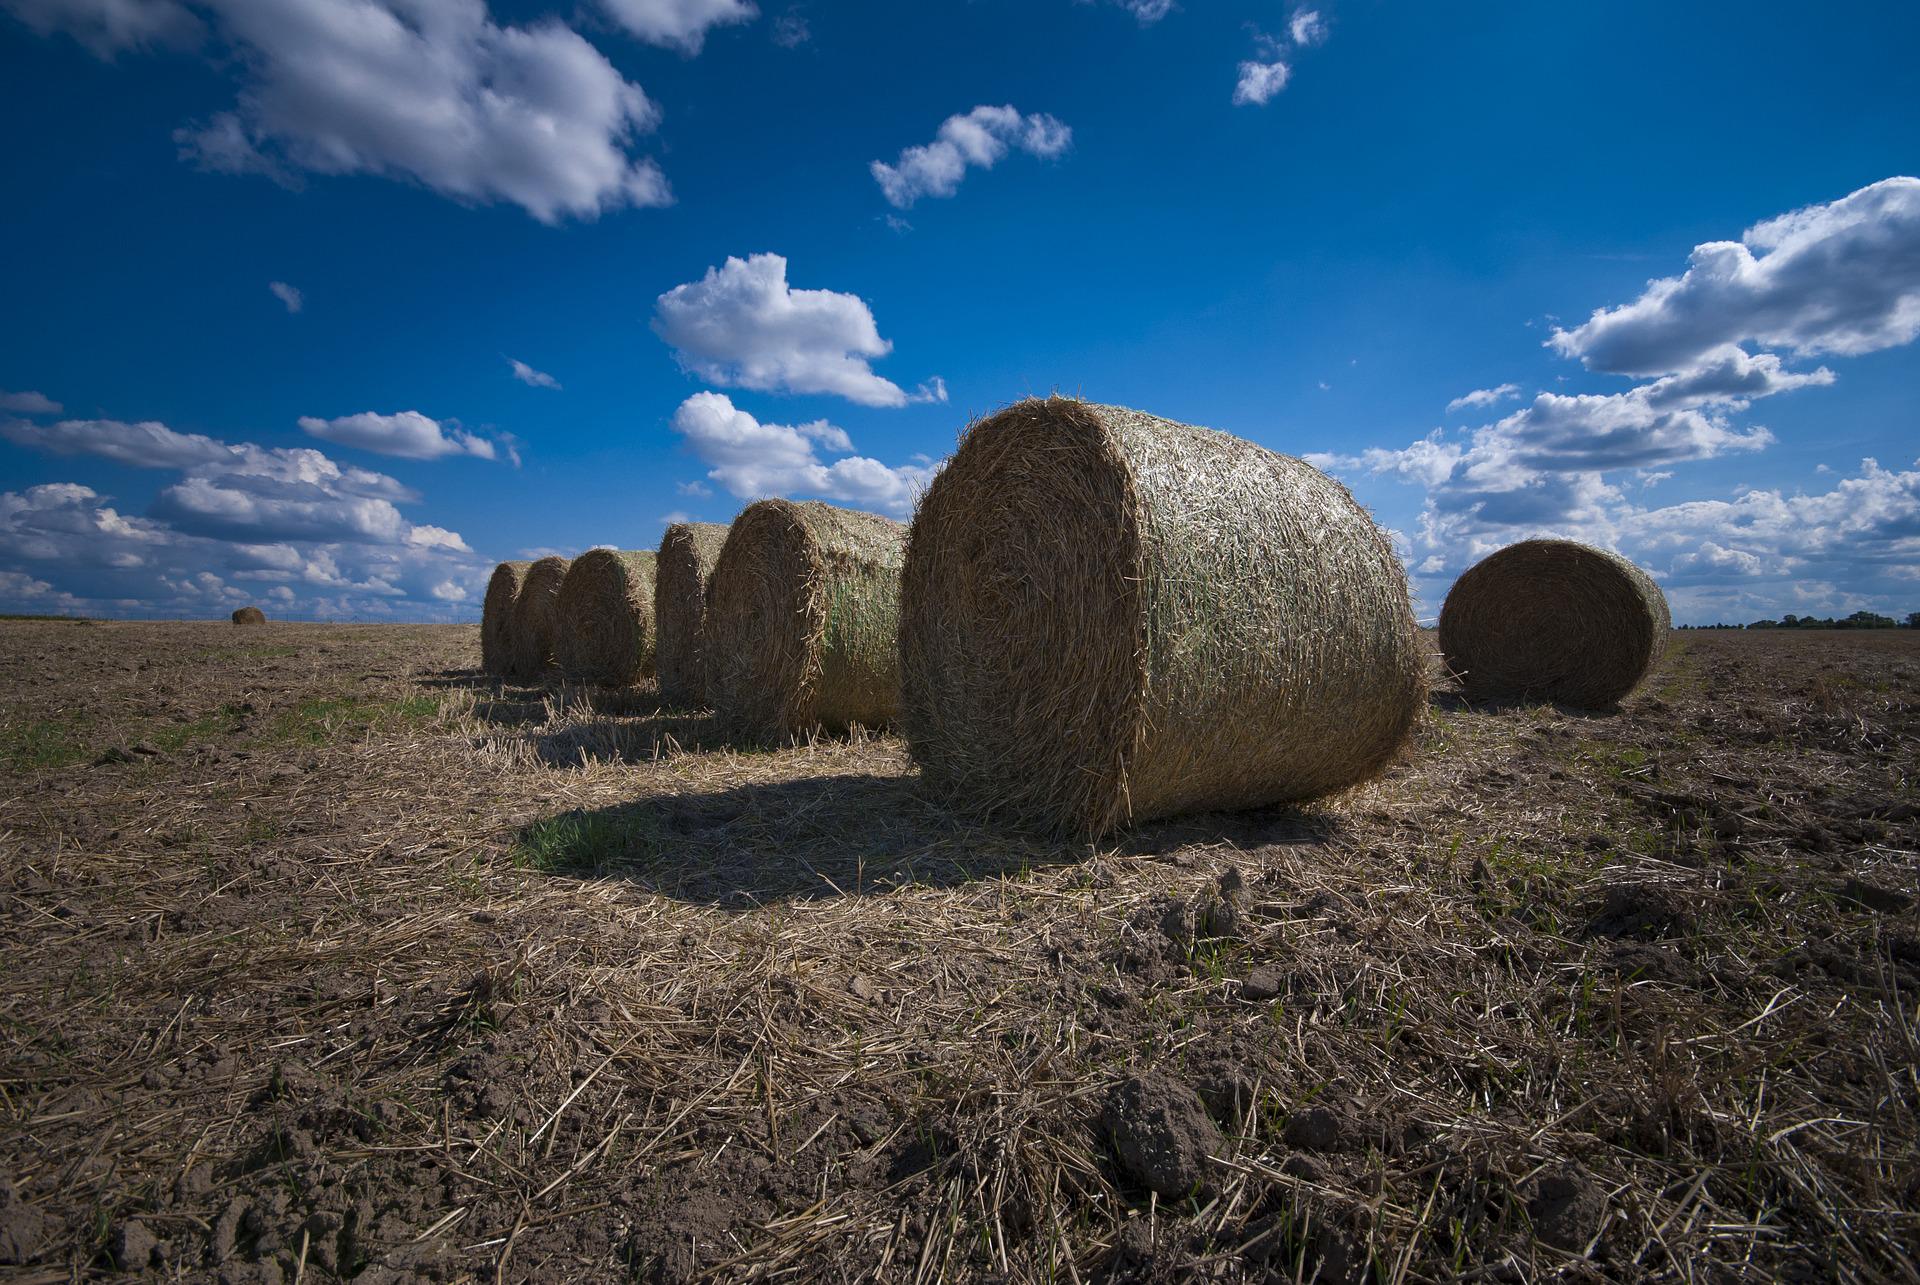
326,958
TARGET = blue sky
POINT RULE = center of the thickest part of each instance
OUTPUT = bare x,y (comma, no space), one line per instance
271,263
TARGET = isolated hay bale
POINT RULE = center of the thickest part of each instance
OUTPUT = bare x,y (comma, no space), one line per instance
496,617
1554,620
1107,617
249,616
535,611
803,610
603,628
688,552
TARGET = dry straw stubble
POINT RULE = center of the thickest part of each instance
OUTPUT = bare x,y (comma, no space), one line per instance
1107,617
535,613
803,614
604,629
1554,620
688,553
496,617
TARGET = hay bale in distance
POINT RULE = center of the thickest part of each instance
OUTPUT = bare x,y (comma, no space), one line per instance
1554,620
688,552
1108,617
603,630
803,612
535,609
249,616
496,617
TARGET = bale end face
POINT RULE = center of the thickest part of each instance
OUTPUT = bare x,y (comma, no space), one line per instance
535,614
496,617
1108,617
688,554
802,620
1554,620
603,618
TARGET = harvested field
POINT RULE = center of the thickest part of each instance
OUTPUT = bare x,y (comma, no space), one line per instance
329,957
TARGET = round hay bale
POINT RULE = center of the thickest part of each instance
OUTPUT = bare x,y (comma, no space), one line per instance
1554,620
496,617
535,611
688,552
803,613
249,616
1108,617
603,630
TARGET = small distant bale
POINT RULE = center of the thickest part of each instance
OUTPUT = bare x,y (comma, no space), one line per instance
496,617
803,613
1108,617
249,616
604,629
535,614
688,553
1554,620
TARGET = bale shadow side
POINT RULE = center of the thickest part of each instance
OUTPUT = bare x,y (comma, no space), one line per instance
846,835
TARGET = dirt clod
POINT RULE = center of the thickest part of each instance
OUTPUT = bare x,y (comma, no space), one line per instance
1162,1135
1871,896
22,1228
1315,1128
1568,1209
132,1247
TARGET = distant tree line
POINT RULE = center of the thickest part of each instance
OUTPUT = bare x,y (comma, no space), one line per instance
1858,620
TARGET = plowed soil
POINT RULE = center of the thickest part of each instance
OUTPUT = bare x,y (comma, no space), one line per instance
326,957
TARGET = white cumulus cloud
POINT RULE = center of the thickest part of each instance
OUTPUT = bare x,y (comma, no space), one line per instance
678,24
28,403
743,326
109,26
1259,82
1480,397
408,435
433,92
977,140
1840,278
531,377
753,460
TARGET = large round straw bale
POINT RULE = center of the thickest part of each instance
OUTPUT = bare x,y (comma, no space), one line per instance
249,616
688,552
1554,620
496,617
603,630
803,613
535,610
1107,617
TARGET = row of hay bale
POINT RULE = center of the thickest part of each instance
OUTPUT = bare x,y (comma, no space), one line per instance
1097,616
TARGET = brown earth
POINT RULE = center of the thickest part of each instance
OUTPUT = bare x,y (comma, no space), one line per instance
325,957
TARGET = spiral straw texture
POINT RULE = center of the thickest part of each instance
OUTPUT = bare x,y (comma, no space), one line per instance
1107,617
688,552
603,618
803,614
1554,620
496,617
534,615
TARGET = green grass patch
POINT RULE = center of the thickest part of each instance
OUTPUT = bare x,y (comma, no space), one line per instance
36,744
589,842
326,719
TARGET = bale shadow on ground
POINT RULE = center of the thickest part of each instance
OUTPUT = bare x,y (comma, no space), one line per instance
642,739
1454,701
846,835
